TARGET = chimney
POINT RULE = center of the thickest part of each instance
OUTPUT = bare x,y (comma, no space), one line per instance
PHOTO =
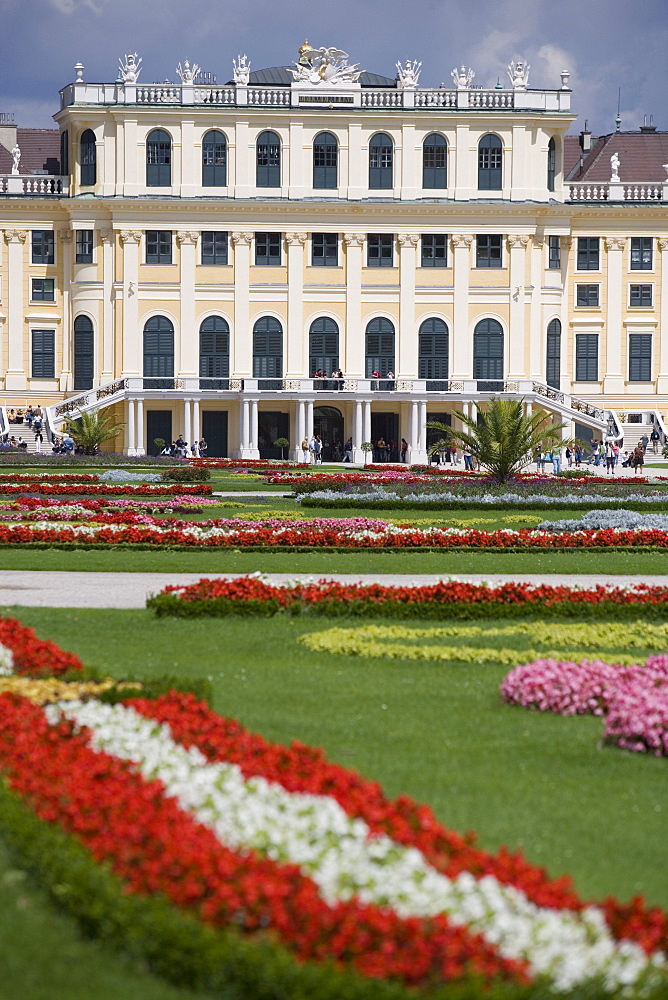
585,138
648,129
7,130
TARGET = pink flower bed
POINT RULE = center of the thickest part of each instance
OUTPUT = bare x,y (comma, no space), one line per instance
632,699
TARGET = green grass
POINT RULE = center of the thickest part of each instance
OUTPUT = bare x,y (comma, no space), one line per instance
369,563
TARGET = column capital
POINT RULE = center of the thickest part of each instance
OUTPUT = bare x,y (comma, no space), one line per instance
538,240
408,240
241,238
16,235
130,236
353,239
615,243
663,243
65,235
296,239
189,236
107,236
517,241
462,241
565,242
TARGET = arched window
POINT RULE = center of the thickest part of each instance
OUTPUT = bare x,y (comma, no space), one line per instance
267,351
64,153
380,348
158,159
214,159
83,353
214,353
268,169
551,164
488,355
88,158
323,342
433,354
381,155
158,353
553,359
435,162
490,159
325,161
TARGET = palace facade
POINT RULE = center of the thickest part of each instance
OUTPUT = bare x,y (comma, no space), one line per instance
193,254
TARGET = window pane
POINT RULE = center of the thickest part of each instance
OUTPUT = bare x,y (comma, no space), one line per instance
554,251
434,250
587,296
324,250
84,246
641,253
43,354
640,357
641,295
214,248
43,246
586,357
588,253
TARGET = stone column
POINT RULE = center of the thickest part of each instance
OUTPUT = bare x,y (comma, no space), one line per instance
15,377
517,245
106,339
565,243
132,336
245,427
187,425
65,236
358,428
241,345
613,377
309,419
414,432
254,452
130,426
407,359
366,420
662,378
293,169
353,347
295,340
462,351
299,431
140,447
537,334
411,181
422,434
357,182
187,350
196,430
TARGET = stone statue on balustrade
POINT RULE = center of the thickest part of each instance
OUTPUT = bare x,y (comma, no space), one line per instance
324,65
462,78
131,68
16,158
187,73
519,74
241,66
614,165
408,74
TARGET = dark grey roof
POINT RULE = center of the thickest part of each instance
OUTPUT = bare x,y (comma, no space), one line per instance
280,76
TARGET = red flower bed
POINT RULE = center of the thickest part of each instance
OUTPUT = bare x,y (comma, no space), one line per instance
33,656
48,477
156,847
102,489
301,768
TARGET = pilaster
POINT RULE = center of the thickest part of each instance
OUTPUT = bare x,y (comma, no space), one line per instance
66,381
662,378
295,334
132,340
241,347
15,377
106,339
537,336
613,378
517,244
462,350
407,360
188,348
353,350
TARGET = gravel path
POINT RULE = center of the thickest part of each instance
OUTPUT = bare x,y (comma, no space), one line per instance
36,588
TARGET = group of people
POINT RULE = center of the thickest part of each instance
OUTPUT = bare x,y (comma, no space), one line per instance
325,381
33,418
383,381
312,450
19,416
181,449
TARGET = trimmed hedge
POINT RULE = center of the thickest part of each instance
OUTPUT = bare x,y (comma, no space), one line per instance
187,474
471,505
175,945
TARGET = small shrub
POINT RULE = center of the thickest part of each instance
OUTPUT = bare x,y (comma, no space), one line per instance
186,474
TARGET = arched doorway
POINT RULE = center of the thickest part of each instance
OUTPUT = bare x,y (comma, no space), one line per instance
328,423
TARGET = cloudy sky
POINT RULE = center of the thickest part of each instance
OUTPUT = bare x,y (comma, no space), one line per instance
606,44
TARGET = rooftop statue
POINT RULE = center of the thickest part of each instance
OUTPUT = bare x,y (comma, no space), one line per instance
187,73
408,74
614,164
16,156
519,74
241,66
324,65
130,69
462,78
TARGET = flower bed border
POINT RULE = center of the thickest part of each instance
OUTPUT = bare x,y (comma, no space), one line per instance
639,506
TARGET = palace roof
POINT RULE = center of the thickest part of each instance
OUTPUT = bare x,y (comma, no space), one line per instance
40,151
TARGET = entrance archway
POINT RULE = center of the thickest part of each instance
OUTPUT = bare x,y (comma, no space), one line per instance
328,423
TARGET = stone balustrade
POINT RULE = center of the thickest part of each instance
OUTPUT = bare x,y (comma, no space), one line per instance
34,185
616,191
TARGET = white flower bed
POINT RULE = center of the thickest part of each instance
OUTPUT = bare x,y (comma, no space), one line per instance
125,476
6,662
514,499
339,854
620,520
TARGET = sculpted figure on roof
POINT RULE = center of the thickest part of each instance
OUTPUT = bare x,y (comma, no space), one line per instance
409,74
130,69
241,66
187,73
614,166
519,74
324,65
16,156
463,78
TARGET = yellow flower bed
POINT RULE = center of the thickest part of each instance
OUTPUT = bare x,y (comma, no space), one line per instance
575,642
43,692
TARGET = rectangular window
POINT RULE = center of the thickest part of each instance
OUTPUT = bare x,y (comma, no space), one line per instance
43,246
84,246
586,357
158,246
488,251
380,250
640,296
589,256
43,354
434,250
554,253
640,357
268,249
587,296
641,253
324,250
43,290
214,248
